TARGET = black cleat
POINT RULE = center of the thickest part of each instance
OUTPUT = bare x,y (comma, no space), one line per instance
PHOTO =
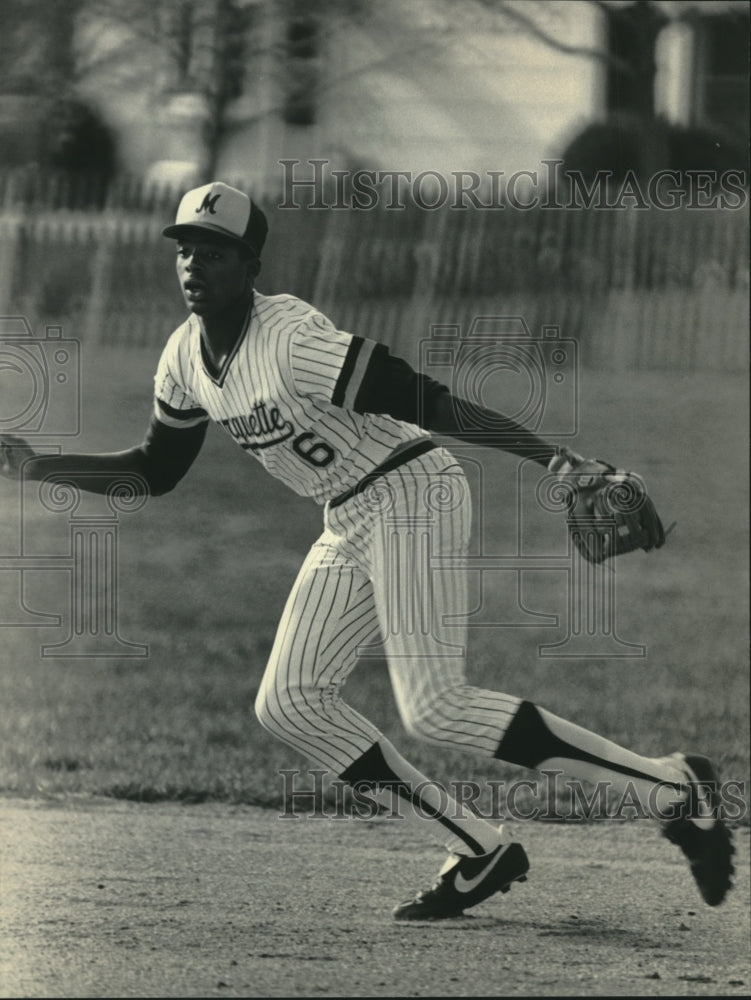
467,883
700,832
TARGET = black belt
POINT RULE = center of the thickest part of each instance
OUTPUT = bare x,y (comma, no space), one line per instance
397,459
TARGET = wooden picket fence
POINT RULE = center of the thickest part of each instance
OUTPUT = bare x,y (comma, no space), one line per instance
636,289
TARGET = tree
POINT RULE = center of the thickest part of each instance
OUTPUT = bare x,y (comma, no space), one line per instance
209,51
215,50
191,47
55,126
51,50
37,46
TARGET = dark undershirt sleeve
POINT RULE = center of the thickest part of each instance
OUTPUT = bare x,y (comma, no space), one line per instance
168,452
159,462
390,385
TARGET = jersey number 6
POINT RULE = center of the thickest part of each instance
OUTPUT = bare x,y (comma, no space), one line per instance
317,453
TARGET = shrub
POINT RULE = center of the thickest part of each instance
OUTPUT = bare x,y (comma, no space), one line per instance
628,143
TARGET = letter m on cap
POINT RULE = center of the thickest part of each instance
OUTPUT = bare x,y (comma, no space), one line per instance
209,203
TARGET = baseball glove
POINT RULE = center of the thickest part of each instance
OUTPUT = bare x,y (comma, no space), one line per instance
609,510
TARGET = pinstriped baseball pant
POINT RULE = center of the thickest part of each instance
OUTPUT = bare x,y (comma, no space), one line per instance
375,574
389,565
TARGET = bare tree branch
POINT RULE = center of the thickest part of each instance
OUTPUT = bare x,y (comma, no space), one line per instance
536,31
525,21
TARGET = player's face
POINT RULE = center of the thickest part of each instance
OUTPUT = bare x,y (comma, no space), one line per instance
213,275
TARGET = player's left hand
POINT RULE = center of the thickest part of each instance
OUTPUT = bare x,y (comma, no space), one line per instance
609,510
567,462
14,451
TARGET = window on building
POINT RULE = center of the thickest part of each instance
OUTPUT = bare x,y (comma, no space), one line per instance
632,33
302,65
723,72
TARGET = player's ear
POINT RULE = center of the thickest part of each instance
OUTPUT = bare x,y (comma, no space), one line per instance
254,267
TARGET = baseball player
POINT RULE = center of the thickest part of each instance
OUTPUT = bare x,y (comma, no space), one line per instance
337,418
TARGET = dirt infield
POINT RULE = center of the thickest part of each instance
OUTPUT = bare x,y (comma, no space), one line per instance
105,899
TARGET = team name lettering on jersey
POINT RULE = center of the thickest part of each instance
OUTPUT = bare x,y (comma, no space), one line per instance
264,420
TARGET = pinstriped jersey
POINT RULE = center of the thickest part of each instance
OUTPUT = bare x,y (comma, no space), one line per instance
285,394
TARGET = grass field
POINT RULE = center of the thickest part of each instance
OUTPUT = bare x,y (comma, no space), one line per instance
204,573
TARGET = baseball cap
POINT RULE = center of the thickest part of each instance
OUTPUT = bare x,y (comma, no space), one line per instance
221,209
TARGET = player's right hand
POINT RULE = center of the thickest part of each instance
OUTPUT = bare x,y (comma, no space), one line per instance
14,451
